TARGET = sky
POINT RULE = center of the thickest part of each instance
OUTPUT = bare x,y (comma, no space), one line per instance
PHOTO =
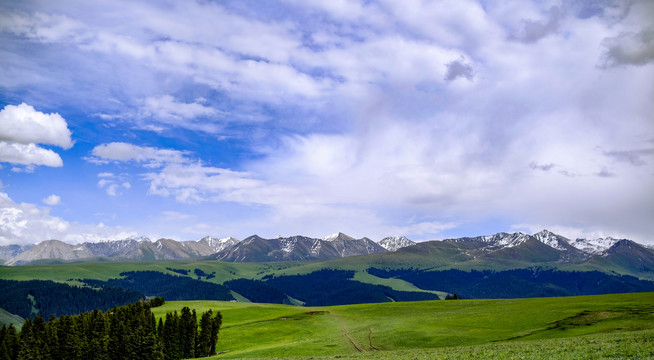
428,119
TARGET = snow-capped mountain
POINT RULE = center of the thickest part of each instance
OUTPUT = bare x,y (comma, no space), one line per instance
256,248
217,245
542,247
557,247
497,241
393,243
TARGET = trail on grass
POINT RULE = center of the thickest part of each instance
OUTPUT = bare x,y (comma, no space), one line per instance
345,331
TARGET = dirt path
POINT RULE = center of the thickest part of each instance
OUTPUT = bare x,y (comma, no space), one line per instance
370,338
345,331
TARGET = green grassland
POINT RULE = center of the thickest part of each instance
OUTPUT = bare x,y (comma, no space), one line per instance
620,325
224,271
7,318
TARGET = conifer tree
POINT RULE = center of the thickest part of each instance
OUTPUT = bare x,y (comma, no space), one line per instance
160,329
203,345
171,337
188,327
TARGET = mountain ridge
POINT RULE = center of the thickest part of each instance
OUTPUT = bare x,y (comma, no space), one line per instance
502,247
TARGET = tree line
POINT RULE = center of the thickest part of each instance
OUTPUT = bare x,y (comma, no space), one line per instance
517,283
171,287
321,288
45,298
125,332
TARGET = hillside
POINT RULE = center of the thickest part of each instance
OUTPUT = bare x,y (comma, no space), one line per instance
398,330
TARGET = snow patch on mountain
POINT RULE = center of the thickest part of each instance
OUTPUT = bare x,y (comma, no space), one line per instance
217,245
392,243
553,240
594,246
338,236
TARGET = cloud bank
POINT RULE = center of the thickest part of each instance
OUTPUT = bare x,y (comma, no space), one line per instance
426,119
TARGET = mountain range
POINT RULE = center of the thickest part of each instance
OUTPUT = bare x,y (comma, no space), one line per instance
501,250
250,249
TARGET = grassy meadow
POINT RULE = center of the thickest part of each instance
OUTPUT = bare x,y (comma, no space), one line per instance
224,271
605,326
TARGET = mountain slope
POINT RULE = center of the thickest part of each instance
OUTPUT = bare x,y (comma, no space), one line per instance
625,257
51,249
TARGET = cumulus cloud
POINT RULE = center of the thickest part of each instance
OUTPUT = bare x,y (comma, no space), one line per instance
52,200
29,154
629,49
22,127
23,124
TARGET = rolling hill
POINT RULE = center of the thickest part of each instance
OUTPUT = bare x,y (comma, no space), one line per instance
575,327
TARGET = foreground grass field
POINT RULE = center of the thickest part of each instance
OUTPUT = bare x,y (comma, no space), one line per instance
618,326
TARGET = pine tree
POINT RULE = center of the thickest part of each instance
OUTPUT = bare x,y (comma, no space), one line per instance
98,335
203,345
160,329
188,328
70,345
171,337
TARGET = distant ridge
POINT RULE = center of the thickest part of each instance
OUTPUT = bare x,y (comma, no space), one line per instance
517,248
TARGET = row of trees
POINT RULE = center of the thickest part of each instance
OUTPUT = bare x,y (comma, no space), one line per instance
126,332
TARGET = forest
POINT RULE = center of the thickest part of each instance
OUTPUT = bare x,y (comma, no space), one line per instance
321,288
518,283
45,298
124,332
171,287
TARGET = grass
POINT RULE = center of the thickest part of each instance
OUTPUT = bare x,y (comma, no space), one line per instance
622,345
107,270
620,324
224,271
7,318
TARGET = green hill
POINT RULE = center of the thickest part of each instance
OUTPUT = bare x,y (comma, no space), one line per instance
611,324
7,318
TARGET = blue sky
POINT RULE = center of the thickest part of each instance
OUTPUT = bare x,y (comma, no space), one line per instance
429,119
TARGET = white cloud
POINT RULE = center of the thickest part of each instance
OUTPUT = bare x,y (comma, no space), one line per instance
29,154
386,112
22,127
23,124
113,184
52,200
27,223
149,156
167,107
